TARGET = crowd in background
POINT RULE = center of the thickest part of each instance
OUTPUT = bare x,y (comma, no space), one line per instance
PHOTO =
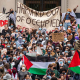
16,42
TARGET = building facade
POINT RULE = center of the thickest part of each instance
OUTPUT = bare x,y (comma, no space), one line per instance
41,5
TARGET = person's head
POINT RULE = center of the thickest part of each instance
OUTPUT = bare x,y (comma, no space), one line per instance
9,71
14,57
68,43
6,66
69,29
68,61
68,11
47,38
23,67
20,39
21,54
23,39
37,78
63,71
78,31
6,27
4,60
27,76
54,78
12,25
14,70
50,66
52,74
49,48
11,59
56,29
57,48
60,24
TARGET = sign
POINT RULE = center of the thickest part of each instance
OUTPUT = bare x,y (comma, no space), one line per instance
70,37
3,21
57,37
29,18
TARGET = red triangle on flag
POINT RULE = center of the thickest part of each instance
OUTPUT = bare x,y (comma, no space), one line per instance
26,62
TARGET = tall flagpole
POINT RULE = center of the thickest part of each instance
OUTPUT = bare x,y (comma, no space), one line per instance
23,59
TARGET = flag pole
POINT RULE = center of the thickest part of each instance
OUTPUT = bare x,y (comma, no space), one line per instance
23,59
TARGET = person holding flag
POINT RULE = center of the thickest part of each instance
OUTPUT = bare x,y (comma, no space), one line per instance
75,63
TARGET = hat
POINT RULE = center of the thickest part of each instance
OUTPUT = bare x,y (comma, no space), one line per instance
69,10
76,37
7,77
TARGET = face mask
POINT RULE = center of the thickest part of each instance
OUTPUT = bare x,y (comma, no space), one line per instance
14,71
35,50
36,32
39,28
60,42
1,70
75,40
20,29
23,68
14,58
66,51
23,40
58,52
46,38
69,62
48,52
68,12
69,28
73,52
21,47
8,46
60,24
74,26
68,44
1,38
41,39
12,11
61,62
14,45
20,55
49,77
50,49
16,30
11,26
5,42
64,73
4,61
57,47
65,39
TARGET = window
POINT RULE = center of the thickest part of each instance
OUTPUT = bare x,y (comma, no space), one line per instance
42,5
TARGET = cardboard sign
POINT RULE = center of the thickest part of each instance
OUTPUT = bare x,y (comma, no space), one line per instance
70,37
57,37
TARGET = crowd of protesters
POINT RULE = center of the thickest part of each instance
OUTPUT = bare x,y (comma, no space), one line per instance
16,42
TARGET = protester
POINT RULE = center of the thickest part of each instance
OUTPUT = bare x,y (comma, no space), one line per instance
23,72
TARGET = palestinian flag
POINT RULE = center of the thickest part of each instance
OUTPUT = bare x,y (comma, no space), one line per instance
38,65
26,62
75,63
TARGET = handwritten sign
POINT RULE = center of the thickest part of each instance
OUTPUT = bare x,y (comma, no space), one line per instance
57,37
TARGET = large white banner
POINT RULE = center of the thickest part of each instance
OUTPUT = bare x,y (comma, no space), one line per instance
3,21
29,18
